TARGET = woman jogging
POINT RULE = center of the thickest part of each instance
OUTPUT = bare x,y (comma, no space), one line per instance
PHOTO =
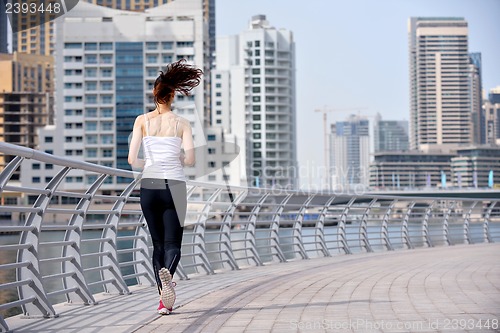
163,134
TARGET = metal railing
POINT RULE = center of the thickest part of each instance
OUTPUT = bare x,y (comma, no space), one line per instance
69,245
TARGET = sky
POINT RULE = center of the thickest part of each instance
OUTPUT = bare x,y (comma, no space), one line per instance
354,54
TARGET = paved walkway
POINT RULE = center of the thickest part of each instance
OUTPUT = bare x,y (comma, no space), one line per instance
444,289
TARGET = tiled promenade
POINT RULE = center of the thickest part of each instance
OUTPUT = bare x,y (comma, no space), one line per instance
442,289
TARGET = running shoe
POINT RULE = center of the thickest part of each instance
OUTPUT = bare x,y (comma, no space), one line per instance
163,310
167,289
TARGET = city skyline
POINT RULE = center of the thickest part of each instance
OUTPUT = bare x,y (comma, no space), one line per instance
355,54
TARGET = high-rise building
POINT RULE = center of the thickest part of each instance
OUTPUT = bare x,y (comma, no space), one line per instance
106,77
475,92
440,106
349,153
4,45
35,33
33,37
253,98
476,166
390,135
491,115
410,169
26,102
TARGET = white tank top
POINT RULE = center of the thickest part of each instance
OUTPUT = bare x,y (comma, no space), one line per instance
162,156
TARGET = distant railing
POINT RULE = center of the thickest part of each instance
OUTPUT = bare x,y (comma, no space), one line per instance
69,245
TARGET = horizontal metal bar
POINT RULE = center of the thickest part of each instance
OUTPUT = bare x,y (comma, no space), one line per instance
57,243
63,211
15,247
62,292
14,284
27,190
96,269
20,209
13,304
95,254
134,275
122,251
15,265
130,263
101,282
58,275
15,228
58,259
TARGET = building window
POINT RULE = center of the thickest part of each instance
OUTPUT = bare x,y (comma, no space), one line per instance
90,126
107,126
185,44
91,139
211,151
107,153
91,112
107,113
68,152
72,45
90,46
167,45
35,179
49,166
211,164
91,152
212,178
211,137
106,46
49,139
36,166
107,85
151,45
255,70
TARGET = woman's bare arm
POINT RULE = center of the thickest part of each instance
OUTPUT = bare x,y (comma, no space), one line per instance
135,144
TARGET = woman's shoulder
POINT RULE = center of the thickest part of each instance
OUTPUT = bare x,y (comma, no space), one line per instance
183,121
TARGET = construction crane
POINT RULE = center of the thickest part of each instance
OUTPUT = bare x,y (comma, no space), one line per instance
325,110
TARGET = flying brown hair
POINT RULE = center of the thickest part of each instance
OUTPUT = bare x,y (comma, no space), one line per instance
178,76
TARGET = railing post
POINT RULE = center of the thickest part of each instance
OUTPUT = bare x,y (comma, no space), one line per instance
113,273
180,269
363,228
200,251
274,230
425,225
297,228
385,228
143,256
226,230
467,238
486,223
251,229
75,235
319,233
9,170
42,306
405,235
341,226
446,236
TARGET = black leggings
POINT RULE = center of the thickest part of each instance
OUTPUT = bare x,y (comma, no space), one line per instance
163,203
